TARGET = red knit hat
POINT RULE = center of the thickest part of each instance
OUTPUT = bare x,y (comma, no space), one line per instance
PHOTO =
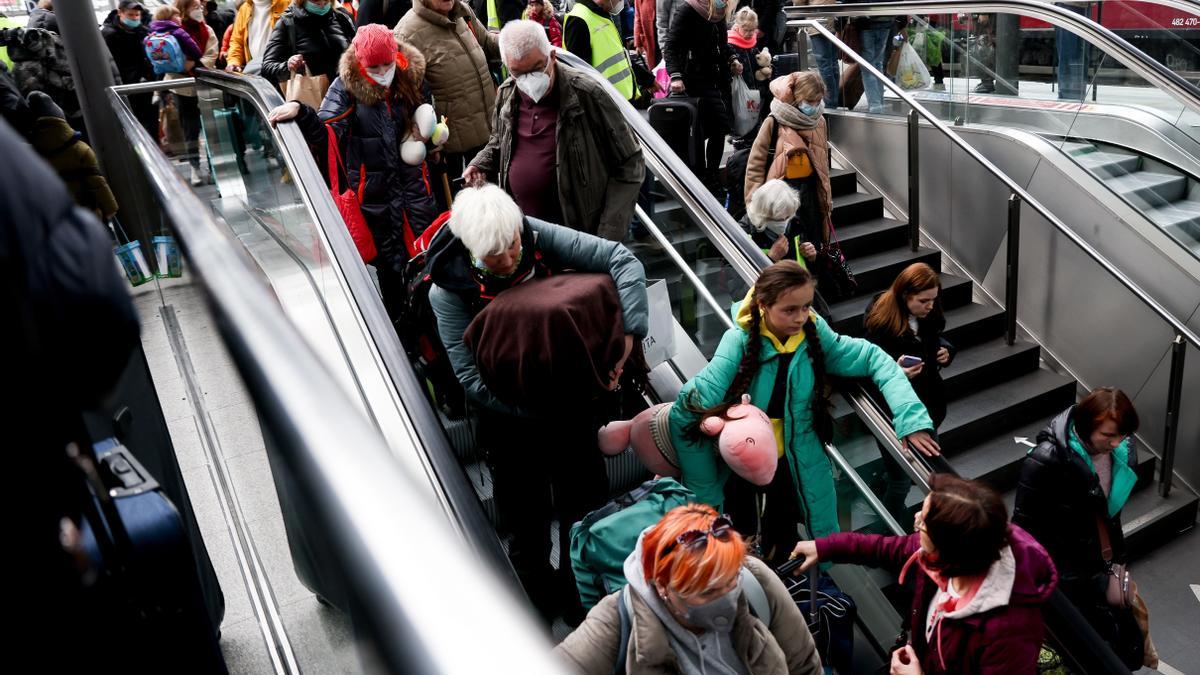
374,45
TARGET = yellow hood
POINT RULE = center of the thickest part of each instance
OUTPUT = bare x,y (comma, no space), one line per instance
743,321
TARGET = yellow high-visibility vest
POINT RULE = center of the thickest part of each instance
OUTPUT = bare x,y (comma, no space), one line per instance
608,54
493,17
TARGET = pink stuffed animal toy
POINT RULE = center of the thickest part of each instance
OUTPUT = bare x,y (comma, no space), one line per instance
746,440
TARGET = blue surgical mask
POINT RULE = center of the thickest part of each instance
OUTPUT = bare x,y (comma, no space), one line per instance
810,110
719,4
319,10
131,23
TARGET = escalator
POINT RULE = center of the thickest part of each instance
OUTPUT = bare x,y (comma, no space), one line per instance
284,220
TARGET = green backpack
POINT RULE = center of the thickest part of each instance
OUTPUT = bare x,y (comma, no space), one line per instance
602,541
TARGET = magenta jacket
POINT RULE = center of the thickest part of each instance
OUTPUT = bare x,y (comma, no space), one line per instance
999,631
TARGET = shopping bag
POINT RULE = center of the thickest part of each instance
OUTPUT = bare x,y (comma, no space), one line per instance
663,78
659,343
167,256
130,258
307,88
348,203
746,102
171,130
911,72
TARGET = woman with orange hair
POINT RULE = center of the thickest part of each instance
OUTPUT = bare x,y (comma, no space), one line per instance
687,610
906,321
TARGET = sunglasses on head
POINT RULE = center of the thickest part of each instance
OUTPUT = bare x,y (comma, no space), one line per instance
719,529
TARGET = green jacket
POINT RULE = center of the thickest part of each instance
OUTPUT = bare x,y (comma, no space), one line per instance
705,474
562,249
932,54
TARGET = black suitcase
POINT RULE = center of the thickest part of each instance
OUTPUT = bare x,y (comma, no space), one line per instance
677,120
147,586
784,64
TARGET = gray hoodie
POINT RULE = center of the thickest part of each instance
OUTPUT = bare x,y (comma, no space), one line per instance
709,653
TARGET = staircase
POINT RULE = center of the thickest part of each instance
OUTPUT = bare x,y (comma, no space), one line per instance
999,396
1168,197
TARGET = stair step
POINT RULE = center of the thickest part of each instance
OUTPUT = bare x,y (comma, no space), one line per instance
1183,215
1078,149
988,363
1149,189
1034,396
1149,520
972,324
997,460
876,271
855,208
848,314
1110,164
871,236
843,181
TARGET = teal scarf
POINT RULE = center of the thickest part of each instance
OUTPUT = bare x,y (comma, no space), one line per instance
1123,476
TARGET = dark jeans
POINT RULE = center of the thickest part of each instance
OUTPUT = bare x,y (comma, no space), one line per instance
146,113
189,119
771,512
542,469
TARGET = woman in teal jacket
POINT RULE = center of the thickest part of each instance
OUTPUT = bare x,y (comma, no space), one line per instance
780,353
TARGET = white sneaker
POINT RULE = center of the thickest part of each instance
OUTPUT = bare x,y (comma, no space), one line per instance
196,178
938,87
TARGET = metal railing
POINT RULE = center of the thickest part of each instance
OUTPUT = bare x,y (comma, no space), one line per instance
1017,196
1131,57
408,576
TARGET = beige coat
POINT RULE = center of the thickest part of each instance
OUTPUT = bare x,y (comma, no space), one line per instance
456,49
789,142
783,648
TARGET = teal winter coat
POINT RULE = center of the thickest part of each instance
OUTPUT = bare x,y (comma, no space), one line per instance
704,473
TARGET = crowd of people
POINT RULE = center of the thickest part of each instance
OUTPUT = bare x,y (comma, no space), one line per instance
550,173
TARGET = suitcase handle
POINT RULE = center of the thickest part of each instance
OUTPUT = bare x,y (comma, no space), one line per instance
794,564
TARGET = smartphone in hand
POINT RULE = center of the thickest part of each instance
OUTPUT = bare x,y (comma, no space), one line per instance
907,361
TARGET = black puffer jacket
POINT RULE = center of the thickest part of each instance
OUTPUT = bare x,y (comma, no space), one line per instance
1058,500
127,49
42,18
321,39
370,130
696,50
927,384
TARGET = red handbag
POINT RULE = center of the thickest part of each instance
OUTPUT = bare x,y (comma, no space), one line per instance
348,203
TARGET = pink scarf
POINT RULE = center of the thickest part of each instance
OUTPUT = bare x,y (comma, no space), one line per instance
943,607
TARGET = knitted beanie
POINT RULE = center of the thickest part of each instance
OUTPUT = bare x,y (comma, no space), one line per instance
374,45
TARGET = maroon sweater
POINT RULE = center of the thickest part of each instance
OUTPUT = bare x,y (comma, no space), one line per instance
1005,639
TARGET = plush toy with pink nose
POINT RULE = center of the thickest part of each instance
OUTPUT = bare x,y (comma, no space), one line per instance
745,440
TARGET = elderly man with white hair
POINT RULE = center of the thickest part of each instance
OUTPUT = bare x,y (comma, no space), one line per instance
559,144
495,248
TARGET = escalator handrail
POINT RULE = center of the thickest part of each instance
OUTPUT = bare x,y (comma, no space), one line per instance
1133,58
1013,187
384,532
445,473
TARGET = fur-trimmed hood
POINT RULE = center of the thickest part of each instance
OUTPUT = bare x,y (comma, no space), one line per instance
363,88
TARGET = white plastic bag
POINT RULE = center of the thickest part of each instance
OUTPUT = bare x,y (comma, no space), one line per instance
911,73
746,102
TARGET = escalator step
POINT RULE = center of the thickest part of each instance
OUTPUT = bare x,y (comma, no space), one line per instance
988,363
972,324
975,417
869,236
855,208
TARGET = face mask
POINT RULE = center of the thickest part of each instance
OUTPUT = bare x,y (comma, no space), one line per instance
773,225
319,10
131,23
196,15
719,4
810,110
715,615
384,80
534,85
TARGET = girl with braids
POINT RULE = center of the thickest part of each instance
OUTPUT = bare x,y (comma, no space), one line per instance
780,353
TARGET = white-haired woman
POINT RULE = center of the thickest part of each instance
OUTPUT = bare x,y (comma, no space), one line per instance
767,216
494,247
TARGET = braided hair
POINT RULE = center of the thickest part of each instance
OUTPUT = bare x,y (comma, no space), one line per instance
773,283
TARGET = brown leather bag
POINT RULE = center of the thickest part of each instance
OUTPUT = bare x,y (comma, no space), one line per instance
1120,589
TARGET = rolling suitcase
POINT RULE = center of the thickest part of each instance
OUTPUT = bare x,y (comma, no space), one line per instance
147,587
677,120
830,613
784,64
